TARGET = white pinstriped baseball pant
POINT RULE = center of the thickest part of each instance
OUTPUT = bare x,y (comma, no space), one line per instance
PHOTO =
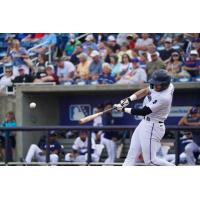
146,141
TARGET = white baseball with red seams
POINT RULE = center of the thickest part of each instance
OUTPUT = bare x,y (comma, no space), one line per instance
148,134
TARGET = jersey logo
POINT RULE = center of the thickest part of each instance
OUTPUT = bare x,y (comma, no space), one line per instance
154,101
149,97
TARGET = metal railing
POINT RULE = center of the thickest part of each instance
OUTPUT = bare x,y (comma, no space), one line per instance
47,129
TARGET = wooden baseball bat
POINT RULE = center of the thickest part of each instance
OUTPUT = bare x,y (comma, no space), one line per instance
91,117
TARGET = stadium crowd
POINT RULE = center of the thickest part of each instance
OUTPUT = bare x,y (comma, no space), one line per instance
98,58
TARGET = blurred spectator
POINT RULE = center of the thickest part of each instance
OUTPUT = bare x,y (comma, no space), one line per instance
168,50
65,70
155,64
89,43
39,151
50,75
115,66
131,38
9,121
82,71
42,60
192,65
111,41
192,119
143,43
71,45
124,50
196,45
150,50
74,57
109,53
100,37
95,67
6,80
48,40
23,76
106,77
125,66
19,56
175,66
136,75
102,48
80,149
121,38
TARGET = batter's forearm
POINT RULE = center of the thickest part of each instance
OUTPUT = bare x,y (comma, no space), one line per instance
140,94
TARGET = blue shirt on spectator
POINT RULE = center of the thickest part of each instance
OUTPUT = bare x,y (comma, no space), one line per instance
8,124
106,79
95,68
87,45
50,39
15,56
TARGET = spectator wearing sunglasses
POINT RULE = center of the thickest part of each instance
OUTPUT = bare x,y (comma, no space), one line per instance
175,66
166,53
6,80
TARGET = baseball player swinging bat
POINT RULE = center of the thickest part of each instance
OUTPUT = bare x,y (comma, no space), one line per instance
91,117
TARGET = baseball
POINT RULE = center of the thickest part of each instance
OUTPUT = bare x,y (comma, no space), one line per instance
32,105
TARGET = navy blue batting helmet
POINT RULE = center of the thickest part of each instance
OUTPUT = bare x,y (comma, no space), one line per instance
160,77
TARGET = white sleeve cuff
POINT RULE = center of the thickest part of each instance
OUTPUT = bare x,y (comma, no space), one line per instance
127,110
133,97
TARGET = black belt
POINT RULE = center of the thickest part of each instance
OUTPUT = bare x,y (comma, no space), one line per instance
149,119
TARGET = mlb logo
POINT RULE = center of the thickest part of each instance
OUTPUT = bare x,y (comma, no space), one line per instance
78,111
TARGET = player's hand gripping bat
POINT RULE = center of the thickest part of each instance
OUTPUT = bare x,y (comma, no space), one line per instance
91,117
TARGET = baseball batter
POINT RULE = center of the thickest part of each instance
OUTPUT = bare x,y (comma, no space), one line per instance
156,107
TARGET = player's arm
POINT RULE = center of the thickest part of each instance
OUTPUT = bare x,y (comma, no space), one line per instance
138,111
137,95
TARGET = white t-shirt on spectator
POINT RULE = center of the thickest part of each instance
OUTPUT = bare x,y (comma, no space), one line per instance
139,75
66,70
142,42
6,81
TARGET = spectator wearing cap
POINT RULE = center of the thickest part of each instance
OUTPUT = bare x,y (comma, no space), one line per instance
74,57
65,70
23,76
6,79
135,76
143,43
131,39
71,45
154,64
50,75
106,77
192,119
192,65
39,151
19,56
124,50
95,68
111,41
79,149
89,43
82,70
166,53
175,66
